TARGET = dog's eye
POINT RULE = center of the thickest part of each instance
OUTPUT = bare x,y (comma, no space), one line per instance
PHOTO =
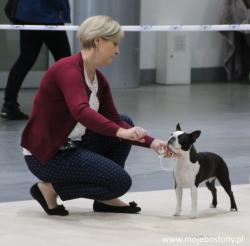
180,141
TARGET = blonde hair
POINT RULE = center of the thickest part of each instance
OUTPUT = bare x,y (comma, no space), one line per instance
99,26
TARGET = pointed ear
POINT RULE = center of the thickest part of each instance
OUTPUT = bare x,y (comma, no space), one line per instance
178,127
194,135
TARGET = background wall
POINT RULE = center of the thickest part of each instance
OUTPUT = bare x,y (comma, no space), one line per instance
124,72
207,48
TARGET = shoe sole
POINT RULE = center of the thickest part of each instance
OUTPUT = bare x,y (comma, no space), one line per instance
6,117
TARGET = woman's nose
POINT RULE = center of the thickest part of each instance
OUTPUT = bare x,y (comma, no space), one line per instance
117,51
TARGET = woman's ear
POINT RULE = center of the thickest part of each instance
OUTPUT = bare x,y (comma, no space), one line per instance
96,42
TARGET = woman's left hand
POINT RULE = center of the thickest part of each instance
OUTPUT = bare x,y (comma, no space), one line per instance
161,147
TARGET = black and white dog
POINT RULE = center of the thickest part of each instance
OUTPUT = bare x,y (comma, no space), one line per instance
192,168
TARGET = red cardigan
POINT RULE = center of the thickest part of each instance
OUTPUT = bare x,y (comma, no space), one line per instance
62,100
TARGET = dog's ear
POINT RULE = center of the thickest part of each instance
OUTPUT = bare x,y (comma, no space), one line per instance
178,127
194,135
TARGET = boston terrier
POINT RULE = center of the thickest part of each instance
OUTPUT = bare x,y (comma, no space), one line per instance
193,167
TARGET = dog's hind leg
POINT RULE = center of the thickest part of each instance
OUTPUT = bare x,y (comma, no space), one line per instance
178,191
211,187
226,184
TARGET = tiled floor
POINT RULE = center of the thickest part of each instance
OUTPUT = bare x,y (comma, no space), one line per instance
221,111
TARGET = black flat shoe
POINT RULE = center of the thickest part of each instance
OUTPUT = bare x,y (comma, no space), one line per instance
101,207
37,195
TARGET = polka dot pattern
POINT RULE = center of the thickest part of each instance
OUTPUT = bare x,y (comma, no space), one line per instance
94,170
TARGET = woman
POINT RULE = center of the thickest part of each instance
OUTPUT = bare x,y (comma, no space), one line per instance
75,141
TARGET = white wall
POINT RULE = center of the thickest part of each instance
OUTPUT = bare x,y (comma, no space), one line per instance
207,47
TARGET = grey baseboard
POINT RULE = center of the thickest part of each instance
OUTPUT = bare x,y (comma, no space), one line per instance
215,74
147,76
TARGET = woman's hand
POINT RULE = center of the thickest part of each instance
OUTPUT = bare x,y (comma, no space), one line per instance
135,133
161,147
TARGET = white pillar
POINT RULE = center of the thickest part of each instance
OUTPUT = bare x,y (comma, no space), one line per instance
124,72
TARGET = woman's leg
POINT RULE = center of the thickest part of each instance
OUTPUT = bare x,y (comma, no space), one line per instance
111,147
49,194
80,173
97,148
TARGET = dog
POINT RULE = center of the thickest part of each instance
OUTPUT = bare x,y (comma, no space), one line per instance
194,167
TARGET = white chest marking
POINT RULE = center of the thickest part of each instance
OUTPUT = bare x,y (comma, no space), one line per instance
185,172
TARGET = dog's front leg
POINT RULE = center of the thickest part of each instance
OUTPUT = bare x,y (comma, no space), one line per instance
193,213
178,191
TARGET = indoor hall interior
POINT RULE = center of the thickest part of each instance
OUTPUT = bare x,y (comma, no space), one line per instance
159,79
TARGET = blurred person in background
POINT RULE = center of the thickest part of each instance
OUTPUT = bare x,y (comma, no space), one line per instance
30,12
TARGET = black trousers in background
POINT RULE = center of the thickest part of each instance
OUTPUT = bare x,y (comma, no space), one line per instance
30,46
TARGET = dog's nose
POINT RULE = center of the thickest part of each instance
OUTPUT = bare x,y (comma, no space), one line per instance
171,140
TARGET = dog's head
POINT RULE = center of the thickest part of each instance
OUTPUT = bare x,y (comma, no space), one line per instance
180,141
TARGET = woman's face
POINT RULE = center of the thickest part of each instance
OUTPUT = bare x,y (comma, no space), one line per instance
106,50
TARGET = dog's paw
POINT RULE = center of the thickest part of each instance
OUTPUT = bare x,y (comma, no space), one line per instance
177,213
212,206
193,215
233,210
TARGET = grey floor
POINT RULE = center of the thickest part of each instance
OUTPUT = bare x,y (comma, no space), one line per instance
221,111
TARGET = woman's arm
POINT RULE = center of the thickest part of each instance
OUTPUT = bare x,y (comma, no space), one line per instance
72,85
108,109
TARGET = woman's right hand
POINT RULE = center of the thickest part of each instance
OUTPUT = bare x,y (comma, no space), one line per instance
135,133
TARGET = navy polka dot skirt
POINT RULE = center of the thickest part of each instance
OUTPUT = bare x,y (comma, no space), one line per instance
94,169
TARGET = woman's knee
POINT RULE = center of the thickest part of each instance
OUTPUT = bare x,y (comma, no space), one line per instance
124,184
127,119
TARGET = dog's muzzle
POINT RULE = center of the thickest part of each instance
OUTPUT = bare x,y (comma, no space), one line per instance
171,141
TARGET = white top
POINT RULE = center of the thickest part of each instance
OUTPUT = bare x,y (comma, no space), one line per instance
79,129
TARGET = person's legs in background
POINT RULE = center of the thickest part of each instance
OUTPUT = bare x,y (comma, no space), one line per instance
30,45
58,43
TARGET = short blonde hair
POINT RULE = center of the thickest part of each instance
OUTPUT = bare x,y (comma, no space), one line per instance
99,26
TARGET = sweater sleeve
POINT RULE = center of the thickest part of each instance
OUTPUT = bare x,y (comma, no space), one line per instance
71,83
